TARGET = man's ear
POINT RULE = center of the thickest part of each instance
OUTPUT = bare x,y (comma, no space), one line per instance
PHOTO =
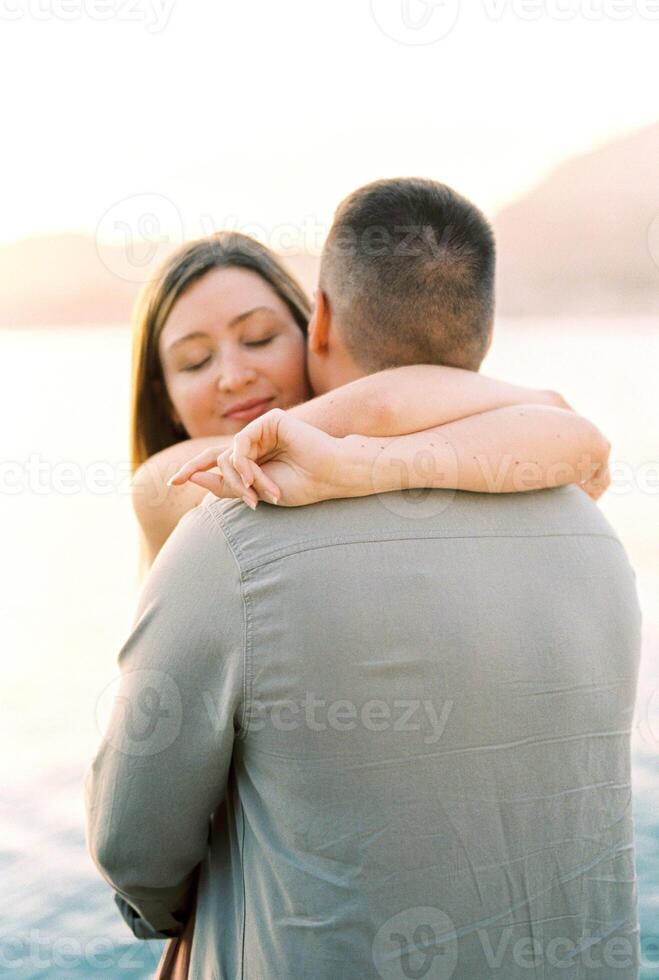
319,324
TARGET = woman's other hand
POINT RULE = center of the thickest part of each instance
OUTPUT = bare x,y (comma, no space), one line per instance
212,470
302,463
275,458
598,482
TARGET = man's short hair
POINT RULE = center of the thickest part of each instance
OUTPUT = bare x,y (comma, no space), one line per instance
408,267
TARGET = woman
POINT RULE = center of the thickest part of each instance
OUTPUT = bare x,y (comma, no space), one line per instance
221,339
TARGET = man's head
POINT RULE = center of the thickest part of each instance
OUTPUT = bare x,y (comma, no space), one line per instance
406,277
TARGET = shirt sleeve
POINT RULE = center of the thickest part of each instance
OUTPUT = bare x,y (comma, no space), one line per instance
162,767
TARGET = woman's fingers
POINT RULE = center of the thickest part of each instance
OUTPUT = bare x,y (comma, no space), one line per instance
239,474
598,482
245,442
252,475
241,464
204,460
214,483
266,488
231,475
259,437
233,484
228,482
209,481
256,483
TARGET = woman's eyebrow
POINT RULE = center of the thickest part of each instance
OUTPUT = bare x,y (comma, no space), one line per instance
243,316
188,336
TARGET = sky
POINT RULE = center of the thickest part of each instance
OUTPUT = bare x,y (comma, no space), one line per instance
262,116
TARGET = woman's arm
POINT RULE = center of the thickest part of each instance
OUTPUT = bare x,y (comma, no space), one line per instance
510,449
390,403
158,507
412,398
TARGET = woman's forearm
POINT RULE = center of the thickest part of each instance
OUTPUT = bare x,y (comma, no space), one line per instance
158,507
527,447
414,397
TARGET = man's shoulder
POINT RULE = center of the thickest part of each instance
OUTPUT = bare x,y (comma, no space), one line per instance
271,532
196,569
198,540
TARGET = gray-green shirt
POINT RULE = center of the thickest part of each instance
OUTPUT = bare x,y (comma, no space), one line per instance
394,733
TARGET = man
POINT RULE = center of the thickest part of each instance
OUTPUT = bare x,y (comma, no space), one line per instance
407,721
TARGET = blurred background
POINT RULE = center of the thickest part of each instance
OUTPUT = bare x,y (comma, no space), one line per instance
132,125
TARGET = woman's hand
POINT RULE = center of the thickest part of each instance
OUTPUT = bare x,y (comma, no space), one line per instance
225,482
598,482
275,458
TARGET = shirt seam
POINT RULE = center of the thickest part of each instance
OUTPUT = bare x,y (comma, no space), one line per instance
234,549
242,871
322,543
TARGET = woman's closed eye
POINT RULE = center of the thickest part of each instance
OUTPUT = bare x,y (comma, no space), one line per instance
259,343
247,343
199,364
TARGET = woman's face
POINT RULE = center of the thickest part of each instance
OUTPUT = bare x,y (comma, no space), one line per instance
229,342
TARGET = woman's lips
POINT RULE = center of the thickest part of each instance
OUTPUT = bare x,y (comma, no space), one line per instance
246,414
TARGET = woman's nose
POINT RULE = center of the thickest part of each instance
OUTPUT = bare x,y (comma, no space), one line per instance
235,372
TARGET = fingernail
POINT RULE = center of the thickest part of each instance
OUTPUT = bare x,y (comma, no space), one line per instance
271,497
250,503
170,482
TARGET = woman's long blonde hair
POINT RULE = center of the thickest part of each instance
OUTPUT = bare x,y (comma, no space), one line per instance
151,425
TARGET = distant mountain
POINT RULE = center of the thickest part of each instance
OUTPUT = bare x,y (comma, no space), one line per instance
68,279
60,280
586,240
